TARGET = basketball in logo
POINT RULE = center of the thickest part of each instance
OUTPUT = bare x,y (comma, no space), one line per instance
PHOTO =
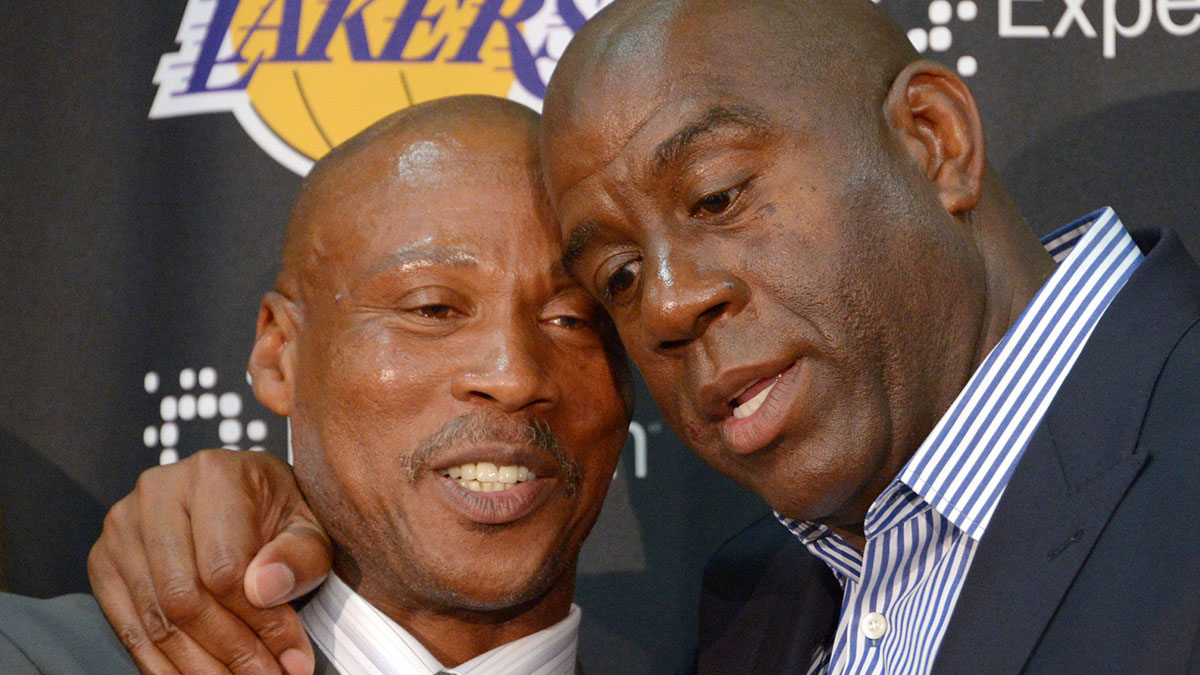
301,76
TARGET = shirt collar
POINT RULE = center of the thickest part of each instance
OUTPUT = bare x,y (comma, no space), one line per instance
963,466
359,638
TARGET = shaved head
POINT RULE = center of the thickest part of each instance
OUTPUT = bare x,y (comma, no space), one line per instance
840,55
852,36
421,145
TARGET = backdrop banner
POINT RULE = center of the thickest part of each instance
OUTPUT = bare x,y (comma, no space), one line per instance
152,150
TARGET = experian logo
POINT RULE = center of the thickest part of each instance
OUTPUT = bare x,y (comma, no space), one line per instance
1073,16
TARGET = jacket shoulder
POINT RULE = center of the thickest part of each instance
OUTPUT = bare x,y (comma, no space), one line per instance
766,603
67,634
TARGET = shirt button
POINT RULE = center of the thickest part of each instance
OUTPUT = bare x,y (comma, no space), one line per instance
874,625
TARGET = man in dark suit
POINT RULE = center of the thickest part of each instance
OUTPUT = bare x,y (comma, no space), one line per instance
457,408
989,461
1090,564
983,450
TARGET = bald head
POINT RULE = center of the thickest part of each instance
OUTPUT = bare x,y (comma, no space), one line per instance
394,164
839,54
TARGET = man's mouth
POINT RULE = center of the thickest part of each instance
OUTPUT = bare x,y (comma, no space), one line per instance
761,411
751,399
497,492
493,469
488,477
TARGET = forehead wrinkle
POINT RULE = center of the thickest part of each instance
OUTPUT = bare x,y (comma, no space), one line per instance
426,255
554,132
709,122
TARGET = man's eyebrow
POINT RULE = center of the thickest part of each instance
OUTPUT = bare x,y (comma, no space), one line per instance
672,149
577,243
426,255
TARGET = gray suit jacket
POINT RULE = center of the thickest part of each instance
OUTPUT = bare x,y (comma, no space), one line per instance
66,635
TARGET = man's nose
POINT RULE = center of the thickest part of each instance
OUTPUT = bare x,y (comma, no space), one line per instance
509,371
684,295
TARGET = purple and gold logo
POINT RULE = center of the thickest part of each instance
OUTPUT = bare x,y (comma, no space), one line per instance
302,76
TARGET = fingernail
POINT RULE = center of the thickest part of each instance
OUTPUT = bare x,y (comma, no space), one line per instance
296,662
272,583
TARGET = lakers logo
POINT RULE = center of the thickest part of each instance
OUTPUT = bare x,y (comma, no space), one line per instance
302,76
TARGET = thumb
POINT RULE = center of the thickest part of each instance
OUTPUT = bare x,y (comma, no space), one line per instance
290,565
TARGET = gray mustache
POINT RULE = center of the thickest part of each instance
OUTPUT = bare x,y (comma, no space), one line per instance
491,426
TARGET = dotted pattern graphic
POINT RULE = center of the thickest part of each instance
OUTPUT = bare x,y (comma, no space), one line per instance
938,37
198,402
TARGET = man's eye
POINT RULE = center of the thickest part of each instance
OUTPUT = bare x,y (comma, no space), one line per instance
716,203
569,321
435,311
621,280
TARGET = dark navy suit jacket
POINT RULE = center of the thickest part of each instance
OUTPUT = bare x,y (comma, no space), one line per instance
1091,563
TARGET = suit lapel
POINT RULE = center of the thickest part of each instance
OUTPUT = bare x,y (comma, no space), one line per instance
1040,535
1072,476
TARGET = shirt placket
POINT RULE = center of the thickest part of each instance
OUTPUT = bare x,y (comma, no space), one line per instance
868,626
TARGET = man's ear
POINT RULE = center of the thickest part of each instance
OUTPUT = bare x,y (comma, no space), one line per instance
935,115
272,361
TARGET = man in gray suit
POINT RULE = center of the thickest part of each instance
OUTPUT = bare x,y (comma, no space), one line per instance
458,406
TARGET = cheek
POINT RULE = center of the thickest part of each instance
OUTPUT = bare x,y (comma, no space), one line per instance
665,380
592,421
374,370
368,397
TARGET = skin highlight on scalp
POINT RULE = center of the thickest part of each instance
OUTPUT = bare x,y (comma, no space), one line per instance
846,51
411,138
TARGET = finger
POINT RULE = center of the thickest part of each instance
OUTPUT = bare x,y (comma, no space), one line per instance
297,554
292,564
280,630
226,534
119,607
186,604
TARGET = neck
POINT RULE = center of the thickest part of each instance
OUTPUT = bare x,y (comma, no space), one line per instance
450,628
852,535
1017,265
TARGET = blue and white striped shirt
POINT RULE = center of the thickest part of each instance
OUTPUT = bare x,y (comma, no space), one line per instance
922,531
359,639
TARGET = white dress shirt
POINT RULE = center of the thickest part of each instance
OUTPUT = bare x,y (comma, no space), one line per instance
922,531
358,639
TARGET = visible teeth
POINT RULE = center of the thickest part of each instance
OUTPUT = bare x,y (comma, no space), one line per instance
485,472
477,486
750,407
487,477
